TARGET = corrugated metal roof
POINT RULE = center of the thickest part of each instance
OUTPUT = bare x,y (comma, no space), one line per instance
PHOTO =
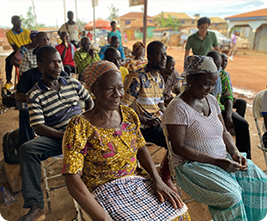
179,15
134,15
257,13
138,23
217,20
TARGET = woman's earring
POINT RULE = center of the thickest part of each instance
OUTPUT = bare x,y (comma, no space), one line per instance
189,85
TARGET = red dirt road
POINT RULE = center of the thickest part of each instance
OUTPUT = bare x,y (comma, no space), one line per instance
248,70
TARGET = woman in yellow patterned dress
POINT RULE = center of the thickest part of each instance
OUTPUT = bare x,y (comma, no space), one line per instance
101,149
139,61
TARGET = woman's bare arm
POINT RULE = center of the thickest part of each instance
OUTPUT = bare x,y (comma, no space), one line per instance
81,194
161,189
177,134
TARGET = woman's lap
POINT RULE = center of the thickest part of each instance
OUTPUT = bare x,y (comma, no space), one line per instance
220,190
132,198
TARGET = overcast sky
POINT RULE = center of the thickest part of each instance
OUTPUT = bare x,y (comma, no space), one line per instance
51,12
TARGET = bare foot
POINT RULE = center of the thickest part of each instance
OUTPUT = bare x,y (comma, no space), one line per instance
35,214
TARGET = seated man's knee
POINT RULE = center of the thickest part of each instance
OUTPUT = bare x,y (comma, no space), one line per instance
25,150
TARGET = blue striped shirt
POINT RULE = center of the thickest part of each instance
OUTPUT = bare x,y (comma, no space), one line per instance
55,109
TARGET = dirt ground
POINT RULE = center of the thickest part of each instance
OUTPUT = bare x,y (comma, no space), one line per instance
247,73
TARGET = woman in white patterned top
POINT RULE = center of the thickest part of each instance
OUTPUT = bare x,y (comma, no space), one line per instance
207,164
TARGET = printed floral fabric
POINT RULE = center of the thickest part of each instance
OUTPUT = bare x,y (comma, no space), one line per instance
133,65
100,155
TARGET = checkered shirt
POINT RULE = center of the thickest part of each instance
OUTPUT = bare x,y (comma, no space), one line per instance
28,61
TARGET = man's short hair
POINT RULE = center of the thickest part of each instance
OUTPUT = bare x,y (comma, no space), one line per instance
110,49
203,20
39,34
83,39
69,12
152,45
113,22
169,58
215,55
14,17
43,49
113,38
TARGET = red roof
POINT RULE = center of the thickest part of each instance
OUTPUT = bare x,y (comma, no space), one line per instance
134,15
3,32
257,13
138,23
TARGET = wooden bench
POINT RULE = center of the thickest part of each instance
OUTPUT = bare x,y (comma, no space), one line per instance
245,45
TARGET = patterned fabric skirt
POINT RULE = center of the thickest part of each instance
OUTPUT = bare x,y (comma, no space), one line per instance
132,198
238,196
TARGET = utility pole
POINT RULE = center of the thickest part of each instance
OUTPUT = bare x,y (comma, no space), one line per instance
76,10
145,22
64,5
34,14
93,2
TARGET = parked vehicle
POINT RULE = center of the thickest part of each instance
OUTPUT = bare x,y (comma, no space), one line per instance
223,41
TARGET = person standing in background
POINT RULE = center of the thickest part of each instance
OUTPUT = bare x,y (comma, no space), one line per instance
16,37
233,50
73,28
114,32
202,40
165,40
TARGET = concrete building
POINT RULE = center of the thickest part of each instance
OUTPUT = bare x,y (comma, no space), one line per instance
218,24
257,23
126,19
135,29
185,19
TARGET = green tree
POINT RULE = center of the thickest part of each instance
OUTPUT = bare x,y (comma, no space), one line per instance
29,21
169,22
82,22
113,12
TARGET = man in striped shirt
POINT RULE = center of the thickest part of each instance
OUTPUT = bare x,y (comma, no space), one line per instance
52,102
144,93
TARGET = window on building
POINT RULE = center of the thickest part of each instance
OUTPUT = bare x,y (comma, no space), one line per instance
193,22
182,22
127,22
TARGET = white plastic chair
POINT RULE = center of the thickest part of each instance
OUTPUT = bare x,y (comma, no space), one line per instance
171,167
257,114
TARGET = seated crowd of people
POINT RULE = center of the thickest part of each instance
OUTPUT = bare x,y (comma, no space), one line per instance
127,104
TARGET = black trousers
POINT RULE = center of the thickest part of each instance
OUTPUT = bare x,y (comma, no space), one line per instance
9,66
240,105
242,133
31,154
155,135
26,132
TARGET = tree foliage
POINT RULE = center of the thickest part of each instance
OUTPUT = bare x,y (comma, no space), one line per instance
29,21
169,22
113,12
82,22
